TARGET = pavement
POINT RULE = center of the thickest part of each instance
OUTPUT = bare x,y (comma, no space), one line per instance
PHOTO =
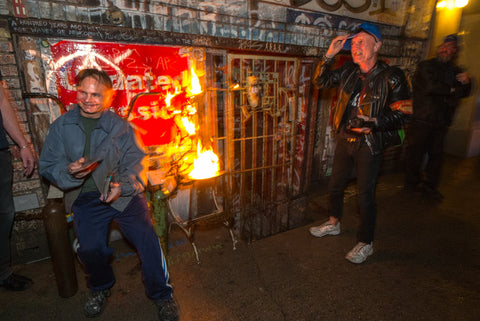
425,266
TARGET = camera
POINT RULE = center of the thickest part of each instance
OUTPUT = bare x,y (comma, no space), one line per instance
357,122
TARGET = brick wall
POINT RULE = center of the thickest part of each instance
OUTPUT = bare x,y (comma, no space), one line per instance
28,239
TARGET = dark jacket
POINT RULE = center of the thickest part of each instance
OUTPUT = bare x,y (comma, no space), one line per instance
387,97
436,93
113,142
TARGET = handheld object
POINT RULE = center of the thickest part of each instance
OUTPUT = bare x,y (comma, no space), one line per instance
106,187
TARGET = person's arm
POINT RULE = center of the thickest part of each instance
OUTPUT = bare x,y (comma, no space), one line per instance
324,76
399,102
12,127
54,163
463,84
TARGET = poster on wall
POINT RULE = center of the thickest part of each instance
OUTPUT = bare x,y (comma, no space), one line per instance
133,68
151,83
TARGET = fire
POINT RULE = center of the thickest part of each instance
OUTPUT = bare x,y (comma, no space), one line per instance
206,164
168,99
173,128
188,125
195,87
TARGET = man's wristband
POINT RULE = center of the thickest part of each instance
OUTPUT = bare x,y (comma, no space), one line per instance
24,146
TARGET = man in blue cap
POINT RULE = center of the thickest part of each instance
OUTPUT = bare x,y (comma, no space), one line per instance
373,100
438,86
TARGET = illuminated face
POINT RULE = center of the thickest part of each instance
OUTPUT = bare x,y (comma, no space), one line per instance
93,97
364,48
446,51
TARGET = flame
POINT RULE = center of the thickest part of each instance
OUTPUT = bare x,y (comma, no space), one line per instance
206,164
168,99
188,125
195,87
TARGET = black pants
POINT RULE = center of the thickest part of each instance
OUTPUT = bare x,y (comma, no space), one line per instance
425,143
349,156
7,212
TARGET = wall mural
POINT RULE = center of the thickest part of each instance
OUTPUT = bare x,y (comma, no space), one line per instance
383,11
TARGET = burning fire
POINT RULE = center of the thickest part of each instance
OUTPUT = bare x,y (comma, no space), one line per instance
206,164
195,87
173,129
188,125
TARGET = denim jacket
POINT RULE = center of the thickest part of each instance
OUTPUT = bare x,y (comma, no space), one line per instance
386,97
113,144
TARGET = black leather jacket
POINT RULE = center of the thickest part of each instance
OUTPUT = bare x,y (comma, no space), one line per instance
386,97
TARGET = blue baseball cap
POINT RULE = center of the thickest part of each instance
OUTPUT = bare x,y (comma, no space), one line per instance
367,27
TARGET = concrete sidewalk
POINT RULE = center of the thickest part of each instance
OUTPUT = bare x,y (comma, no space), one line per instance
426,266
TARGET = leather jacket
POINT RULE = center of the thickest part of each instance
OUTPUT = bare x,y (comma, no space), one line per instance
113,143
386,96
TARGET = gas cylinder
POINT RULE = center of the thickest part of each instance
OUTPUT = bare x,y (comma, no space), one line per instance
60,247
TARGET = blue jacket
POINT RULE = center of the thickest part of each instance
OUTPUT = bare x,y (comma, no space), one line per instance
113,143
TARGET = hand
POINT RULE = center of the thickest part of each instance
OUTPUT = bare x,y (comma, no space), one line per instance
114,193
81,168
28,160
335,46
463,78
364,130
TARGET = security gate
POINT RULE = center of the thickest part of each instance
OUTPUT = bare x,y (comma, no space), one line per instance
262,143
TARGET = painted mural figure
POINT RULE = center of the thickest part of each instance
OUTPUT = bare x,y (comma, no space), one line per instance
92,155
374,99
9,125
438,86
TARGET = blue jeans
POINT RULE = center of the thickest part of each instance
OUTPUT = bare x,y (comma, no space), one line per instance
356,156
91,222
7,212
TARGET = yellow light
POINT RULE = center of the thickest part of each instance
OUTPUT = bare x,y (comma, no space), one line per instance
460,3
451,4
441,4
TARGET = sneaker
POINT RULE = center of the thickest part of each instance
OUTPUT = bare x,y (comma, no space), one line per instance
96,303
326,228
16,282
360,253
167,310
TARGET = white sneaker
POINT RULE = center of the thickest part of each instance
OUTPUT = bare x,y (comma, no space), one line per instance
326,228
360,252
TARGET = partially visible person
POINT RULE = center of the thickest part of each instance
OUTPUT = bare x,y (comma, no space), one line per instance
92,155
9,125
373,101
438,86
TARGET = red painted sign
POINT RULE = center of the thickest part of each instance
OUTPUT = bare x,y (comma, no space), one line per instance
134,69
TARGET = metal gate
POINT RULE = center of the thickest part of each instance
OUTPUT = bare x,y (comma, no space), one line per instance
260,142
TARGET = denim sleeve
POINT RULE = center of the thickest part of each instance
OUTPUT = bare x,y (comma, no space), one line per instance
53,162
